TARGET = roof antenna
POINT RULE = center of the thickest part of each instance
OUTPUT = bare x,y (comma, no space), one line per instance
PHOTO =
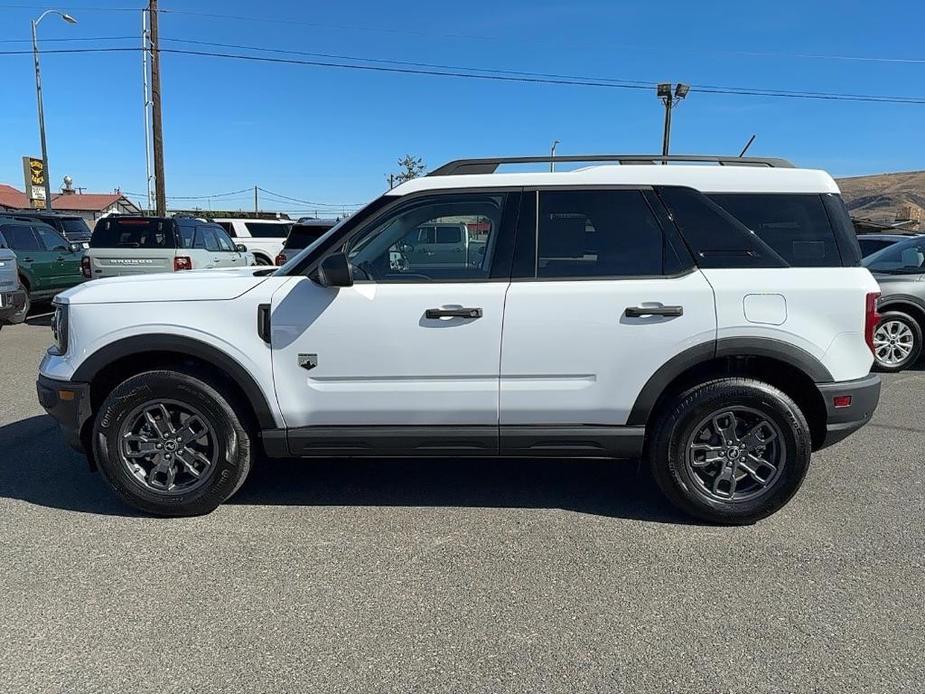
747,145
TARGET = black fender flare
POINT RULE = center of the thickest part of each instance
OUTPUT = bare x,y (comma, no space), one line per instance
159,342
782,351
885,303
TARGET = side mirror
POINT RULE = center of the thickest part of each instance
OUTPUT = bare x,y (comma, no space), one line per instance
335,271
240,248
76,247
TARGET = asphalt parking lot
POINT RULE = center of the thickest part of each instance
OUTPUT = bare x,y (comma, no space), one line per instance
458,576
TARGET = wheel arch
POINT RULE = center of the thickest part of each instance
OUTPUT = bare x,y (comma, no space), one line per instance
111,364
784,366
906,304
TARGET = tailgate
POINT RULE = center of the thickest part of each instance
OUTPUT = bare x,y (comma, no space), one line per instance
119,262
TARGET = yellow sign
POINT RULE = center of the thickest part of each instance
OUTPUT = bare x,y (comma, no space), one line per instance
33,171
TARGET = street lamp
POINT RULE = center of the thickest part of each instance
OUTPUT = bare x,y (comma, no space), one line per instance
38,93
670,99
552,155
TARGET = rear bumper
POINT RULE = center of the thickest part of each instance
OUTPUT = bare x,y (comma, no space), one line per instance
12,305
68,403
841,422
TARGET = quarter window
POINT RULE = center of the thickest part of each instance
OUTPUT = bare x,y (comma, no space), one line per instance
597,233
446,238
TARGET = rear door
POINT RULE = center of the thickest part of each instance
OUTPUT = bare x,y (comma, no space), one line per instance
603,295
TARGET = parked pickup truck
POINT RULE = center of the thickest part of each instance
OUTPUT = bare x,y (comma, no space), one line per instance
12,295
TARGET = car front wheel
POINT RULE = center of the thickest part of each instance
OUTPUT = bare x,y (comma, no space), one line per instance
897,341
730,451
171,444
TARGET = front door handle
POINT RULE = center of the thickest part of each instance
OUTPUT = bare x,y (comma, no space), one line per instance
641,311
433,313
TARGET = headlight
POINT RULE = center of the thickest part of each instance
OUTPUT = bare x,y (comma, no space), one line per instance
59,328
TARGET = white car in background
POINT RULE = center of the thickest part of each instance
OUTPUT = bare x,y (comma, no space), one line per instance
263,237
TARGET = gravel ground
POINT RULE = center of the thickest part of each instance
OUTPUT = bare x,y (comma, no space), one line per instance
458,576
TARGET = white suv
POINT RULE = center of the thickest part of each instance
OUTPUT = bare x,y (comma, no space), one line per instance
263,237
713,319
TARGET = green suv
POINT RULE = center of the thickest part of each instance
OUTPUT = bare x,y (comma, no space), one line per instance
47,262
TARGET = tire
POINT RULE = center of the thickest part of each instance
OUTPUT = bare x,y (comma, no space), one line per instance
897,342
27,306
262,260
131,439
761,409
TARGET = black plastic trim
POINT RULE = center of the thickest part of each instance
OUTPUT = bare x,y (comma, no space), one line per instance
140,344
844,421
263,322
572,441
724,347
335,441
70,414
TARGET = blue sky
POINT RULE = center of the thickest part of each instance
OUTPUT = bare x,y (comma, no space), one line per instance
330,135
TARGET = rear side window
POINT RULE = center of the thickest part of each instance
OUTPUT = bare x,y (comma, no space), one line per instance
597,233
304,235
265,230
133,233
871,246
20,238
796,226
715,237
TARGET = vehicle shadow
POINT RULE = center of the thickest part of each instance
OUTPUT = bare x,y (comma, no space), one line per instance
40,469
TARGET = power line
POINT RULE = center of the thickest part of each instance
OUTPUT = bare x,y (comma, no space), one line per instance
79,38
459,73
309,202
201,197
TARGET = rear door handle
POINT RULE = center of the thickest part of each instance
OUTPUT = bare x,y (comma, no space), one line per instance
641,311
433,313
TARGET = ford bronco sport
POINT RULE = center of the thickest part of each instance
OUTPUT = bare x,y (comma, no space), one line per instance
711,318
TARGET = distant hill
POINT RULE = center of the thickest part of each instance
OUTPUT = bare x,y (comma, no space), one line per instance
880,197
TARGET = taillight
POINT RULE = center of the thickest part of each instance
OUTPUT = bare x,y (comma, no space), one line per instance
182,262
871,318
281,259
86,269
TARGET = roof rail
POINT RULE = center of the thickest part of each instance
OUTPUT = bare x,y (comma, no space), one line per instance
491,164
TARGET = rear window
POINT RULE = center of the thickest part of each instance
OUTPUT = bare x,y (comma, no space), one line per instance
75,227
796,226
133,233
267,230
303,235
449,235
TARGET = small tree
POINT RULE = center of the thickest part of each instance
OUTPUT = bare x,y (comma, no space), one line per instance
411,167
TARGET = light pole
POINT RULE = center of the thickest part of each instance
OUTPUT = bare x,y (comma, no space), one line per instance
552,154
38,93
670,99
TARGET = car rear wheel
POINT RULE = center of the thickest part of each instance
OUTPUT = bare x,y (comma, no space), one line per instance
171,444
897,341
262,260
730,451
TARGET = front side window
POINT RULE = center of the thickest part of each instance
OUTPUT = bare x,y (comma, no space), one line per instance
20,238
445,238
597,233
51,239
905,258
224,242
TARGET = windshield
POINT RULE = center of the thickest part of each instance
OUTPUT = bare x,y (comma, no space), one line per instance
903,258
75,227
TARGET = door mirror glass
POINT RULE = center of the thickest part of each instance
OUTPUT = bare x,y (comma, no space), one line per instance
335,271
241,248
77,248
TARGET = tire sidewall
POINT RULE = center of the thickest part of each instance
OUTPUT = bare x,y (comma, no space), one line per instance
232,460
700,402
916,329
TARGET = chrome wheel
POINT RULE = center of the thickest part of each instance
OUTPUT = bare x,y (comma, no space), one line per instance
735,454
893,342
168,447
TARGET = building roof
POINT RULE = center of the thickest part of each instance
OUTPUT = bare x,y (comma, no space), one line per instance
71,202
709,179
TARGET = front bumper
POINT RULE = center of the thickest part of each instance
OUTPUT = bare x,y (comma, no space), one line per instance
12,305
841,422
69,404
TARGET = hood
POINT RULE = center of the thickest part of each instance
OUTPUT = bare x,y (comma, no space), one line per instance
196,285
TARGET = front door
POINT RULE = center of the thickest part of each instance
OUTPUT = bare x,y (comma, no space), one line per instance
64,264
605,298
34,261
408,348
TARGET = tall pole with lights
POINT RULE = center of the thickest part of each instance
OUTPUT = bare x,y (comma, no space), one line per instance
671,95
552,156
38,93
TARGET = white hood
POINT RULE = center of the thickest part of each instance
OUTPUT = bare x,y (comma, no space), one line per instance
198,285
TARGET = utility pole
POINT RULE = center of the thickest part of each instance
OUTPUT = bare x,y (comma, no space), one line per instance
160,188
670,99
552,156
256,208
